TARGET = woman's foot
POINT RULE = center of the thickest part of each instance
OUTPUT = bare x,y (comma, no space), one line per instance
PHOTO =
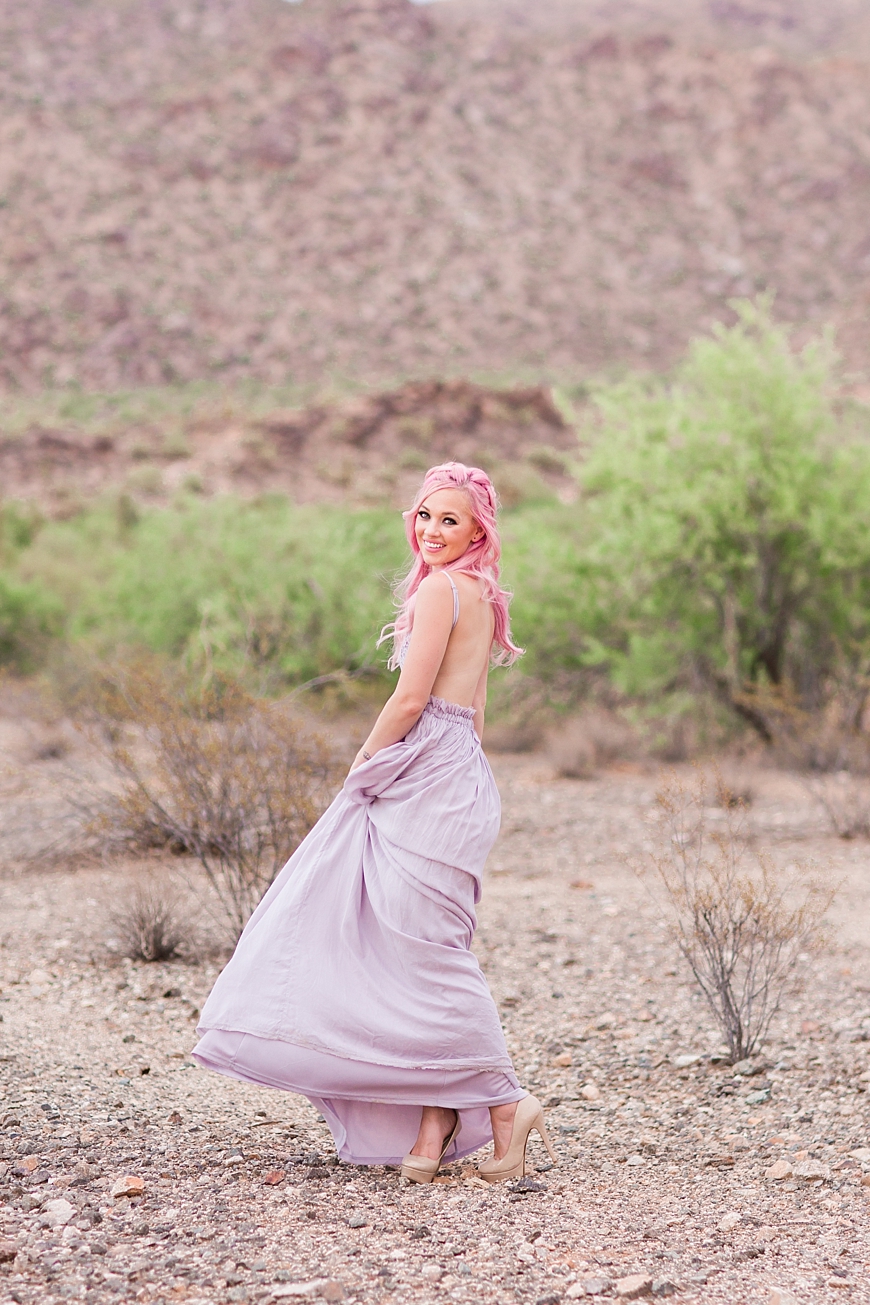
435,1127
502,1119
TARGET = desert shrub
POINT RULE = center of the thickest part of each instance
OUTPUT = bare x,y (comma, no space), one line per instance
211,772
29,619
740,923
283,592
728,520
845,801
151,924
589,740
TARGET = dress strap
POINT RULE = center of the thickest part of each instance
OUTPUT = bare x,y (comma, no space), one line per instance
455,599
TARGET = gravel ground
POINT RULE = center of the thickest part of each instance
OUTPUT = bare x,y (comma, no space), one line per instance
667,1157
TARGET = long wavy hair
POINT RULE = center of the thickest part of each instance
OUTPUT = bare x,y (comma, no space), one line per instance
481,559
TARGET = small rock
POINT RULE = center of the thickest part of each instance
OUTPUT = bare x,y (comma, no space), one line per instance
807,1026
684,1062
758,1098
274,1177
862,1153
747,1068
324,1288
778,1170
810,1171
720,1161
358,1221
729,1221
840,1282
432,1272
26,1166
8,1251
56,1214
562,1061
129,1185
635,1159
589,1092
592,1287
663,1287
175,1118
634,1286
575,1291
865,1180
781,1296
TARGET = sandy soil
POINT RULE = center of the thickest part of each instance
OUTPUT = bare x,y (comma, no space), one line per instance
662,1175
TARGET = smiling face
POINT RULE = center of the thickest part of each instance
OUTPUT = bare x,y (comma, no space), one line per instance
444,526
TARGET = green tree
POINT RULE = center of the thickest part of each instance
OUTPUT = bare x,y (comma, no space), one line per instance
730,520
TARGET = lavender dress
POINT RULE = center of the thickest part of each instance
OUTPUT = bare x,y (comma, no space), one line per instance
353,983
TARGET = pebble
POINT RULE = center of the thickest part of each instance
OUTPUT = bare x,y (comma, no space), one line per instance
811,1171
634,1286
778,1170
432,1272
758,1098
840,1282
8,1251
129,1185
781,1296
323,1288
663,1287
590,1092
684,1062
274,1177
635,1159
729,1221
357,1221
57,1213
589,1287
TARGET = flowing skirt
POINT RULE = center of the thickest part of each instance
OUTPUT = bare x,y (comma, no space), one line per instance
354,983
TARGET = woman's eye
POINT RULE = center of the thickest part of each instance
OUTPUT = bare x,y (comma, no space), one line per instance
449,521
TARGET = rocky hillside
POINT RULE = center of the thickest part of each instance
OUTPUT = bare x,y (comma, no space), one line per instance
371,188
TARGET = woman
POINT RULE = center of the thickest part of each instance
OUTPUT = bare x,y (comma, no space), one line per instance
353,982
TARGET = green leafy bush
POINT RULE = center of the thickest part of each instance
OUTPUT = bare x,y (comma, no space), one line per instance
290,592
727,523
29,619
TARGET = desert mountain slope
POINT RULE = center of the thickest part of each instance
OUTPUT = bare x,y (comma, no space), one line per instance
373,188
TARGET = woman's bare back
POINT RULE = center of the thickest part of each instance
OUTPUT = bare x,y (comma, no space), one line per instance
464,667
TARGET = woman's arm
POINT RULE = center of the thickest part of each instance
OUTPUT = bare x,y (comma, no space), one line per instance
479,702
433,622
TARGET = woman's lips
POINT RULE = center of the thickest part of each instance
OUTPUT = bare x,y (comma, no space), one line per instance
433,548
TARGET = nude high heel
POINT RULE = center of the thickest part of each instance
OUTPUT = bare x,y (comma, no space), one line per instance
529,1116
419,1168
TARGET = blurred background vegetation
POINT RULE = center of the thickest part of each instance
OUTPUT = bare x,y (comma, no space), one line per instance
712,564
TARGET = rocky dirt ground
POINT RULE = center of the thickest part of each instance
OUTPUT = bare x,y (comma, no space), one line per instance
127,1173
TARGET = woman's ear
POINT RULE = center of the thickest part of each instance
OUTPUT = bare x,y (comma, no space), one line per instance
478,534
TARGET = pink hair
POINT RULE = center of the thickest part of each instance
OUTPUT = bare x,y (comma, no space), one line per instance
481,559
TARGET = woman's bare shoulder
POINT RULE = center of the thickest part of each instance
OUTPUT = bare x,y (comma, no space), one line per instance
435,589
434,582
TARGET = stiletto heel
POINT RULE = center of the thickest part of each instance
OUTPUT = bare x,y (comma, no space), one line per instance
419,1168
529,1117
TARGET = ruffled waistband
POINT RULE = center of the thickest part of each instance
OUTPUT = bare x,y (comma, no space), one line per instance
448,710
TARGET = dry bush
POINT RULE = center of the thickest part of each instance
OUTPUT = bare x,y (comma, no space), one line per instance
831,737
151,925
211,772
595,738
741,923
845,800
